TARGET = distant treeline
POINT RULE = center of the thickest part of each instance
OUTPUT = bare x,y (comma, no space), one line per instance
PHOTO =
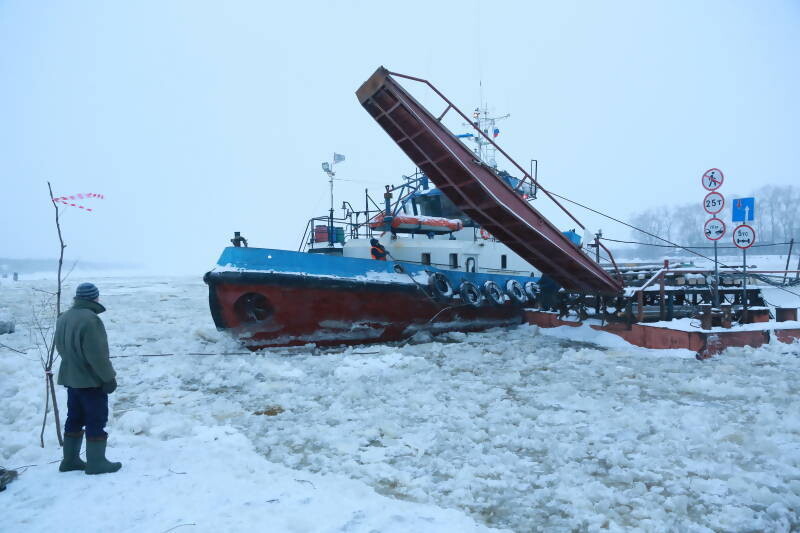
776,221
9,265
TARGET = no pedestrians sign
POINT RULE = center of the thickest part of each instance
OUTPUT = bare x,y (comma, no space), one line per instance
712,179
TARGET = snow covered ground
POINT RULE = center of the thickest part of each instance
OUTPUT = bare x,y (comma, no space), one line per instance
525,429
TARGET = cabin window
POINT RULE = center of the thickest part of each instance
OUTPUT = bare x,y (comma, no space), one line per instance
503,262
470,264
429,205
453,260
426,259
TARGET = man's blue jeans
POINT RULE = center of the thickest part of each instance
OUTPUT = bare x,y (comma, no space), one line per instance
87,408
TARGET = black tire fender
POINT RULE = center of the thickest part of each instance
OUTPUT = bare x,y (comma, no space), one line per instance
531,290
493,293
470,294
440,286
516,292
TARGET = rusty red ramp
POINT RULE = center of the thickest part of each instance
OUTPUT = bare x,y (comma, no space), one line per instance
475,188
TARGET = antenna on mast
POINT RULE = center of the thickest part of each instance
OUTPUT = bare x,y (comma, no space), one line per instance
488,125
328,169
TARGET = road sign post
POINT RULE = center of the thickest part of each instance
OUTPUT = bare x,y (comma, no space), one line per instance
716,276
713,203
744,237
714,229
745,299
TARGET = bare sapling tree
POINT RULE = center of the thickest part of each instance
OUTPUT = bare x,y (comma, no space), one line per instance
44,335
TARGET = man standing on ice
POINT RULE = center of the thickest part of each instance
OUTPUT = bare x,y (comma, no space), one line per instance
87,373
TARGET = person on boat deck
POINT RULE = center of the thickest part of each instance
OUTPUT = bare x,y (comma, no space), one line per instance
238,240
377,250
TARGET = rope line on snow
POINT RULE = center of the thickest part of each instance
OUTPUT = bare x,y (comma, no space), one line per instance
212,353
195,353
179,525
171,354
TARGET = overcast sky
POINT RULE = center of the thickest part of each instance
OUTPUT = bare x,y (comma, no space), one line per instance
196,119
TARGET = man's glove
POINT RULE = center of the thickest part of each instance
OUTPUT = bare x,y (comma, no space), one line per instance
110,386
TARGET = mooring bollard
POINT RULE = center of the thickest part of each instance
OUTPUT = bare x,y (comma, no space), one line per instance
705,316
785,314
727,315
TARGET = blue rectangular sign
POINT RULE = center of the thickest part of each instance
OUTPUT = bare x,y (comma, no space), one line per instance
743,209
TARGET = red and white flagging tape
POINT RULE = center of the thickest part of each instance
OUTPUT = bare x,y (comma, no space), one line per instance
70,200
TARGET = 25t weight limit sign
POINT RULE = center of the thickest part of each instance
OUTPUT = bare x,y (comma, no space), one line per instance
713,203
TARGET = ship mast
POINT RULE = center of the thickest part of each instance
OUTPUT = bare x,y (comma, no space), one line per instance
328,168
488,125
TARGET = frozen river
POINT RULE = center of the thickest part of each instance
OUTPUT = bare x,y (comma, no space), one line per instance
522,428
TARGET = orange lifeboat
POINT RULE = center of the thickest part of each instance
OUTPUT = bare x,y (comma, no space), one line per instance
417,224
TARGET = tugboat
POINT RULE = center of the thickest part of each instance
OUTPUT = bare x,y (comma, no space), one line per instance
443,271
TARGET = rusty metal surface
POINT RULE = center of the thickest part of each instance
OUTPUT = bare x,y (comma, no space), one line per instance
475,189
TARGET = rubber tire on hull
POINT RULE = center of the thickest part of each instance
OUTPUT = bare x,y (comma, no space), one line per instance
531,289
440,286
493,293
515,291
470,294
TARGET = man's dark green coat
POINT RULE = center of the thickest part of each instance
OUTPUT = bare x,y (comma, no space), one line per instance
83,344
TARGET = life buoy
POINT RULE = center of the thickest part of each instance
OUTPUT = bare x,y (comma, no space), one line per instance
485,235
493,293
440,286
470,294
515,291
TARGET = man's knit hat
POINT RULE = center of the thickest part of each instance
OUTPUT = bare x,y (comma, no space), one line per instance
87,291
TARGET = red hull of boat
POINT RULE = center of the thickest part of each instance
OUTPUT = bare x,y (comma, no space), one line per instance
295,310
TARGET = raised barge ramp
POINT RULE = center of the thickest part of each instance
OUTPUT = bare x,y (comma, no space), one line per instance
475,188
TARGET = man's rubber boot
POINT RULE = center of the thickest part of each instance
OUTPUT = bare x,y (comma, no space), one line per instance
72,453
96,462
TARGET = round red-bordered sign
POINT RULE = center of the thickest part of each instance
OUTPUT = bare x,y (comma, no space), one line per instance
714,229
744,236
713,203
712,179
